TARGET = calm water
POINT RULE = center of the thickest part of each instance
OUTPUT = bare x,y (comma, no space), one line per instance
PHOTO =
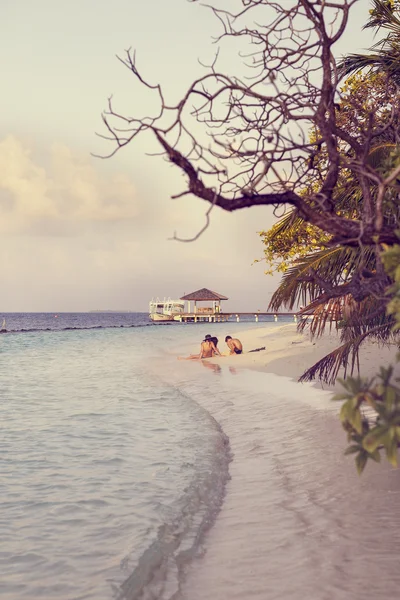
114,467
31,322
109,475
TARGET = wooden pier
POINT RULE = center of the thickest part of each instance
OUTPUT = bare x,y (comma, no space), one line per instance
214,313
202,316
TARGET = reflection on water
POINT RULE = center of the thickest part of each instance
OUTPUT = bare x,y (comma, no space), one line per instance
212,366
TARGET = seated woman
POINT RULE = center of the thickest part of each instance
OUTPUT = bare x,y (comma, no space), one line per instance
215,351
208,349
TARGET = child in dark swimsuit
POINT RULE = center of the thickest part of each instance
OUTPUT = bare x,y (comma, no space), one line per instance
234,345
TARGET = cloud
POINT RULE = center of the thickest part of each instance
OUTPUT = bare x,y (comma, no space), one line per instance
74,235
59,193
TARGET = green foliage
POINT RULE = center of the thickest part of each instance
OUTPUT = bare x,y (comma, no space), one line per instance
335,264
308,258
368,439
288,240
291,238
385,55
363,92
383,14
391,261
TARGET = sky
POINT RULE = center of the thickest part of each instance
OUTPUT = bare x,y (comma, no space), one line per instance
80,233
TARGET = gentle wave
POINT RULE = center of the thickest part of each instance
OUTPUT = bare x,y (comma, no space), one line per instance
18,323
111,476
59,329
159,571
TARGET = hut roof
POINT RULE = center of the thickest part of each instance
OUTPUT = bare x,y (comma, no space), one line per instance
204,294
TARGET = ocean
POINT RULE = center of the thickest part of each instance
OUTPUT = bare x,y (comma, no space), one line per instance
109,475
36,322
126,474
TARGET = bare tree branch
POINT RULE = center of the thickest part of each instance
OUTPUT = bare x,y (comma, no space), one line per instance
242,139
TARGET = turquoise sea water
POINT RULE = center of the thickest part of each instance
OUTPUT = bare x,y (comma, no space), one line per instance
115,463
103,464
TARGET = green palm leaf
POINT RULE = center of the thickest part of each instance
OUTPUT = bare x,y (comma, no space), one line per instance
346,357
383,15
386,53
335,265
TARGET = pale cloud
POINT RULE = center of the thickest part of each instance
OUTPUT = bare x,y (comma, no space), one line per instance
74,236
60,192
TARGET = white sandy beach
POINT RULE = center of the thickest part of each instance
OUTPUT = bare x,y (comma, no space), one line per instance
289,353
297,521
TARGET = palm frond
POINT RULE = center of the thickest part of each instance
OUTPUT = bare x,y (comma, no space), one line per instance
385,54
351,317
387,61
289,219
360,317
353,63
334,264
379,154
348,197
383,16
346,357
324,314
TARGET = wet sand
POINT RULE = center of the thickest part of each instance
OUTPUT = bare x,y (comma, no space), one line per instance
297,521
289,353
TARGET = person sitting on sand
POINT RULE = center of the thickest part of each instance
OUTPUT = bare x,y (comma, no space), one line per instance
215,352
208,349
234,345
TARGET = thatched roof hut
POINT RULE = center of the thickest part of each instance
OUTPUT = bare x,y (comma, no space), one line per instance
204,295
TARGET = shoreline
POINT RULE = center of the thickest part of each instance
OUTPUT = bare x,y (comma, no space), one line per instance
294,509
289,353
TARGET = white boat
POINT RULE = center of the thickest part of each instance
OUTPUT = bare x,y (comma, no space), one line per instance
165,310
